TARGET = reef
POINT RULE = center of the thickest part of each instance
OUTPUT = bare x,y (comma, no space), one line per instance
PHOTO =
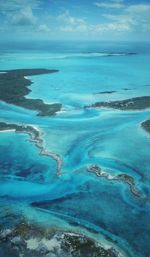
14,86
36,138
137,103
30,240
146,125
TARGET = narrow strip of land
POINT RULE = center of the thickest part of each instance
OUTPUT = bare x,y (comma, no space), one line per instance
105,92
135,104
35,138
120,178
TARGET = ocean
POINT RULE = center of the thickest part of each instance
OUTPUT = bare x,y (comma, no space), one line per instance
81,200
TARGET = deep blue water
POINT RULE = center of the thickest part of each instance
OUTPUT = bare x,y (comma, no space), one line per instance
114,140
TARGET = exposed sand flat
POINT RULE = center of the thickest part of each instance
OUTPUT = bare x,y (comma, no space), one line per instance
7,130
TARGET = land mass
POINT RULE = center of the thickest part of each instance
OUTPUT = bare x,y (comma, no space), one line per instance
137,103
14,88
34,240
146,125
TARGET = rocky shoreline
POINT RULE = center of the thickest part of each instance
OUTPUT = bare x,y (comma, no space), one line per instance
35,135
120,178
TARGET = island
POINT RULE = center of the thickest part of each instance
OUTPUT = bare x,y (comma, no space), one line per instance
135,104
27,239
125,178
105,92
146,125
14,86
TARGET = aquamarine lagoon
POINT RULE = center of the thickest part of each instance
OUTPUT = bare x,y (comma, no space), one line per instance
76,183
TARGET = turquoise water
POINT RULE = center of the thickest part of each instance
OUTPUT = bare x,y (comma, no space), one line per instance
114,140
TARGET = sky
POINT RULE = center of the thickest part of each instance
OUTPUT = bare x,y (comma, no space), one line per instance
75,20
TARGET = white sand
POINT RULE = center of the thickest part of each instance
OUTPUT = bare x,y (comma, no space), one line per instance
7,130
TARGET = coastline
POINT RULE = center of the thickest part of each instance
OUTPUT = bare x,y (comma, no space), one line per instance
36,240
14,86
124,178
146,125
36,138
131,104
110,204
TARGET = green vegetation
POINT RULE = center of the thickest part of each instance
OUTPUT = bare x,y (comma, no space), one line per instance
14,88
146,125
20,128
33,240
137,103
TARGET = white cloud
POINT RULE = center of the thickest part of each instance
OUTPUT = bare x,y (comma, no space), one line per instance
138,8
111,27
146,27
71,23
119,27
121,18
132,17
140,13
44,28
23,17
116,4
13,5
79,28
71,20
116,17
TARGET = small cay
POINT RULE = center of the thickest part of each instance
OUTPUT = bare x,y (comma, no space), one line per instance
120,178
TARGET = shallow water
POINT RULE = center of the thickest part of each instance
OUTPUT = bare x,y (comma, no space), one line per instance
112,139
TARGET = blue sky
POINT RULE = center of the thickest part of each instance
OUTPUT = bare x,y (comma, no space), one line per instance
75,19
